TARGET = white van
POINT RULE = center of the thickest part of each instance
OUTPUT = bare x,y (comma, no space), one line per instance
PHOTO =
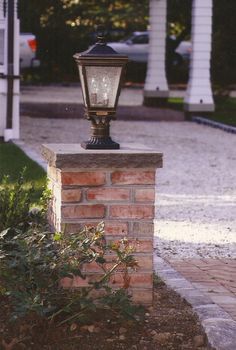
28,47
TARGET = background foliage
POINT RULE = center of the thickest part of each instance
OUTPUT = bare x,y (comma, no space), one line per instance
224,42
64,27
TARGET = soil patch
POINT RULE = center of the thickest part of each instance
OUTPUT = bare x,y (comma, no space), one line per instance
169,324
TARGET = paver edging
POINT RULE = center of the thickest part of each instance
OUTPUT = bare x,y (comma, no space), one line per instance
214,124
218,325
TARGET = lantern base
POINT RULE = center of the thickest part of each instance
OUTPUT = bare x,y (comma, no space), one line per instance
100,143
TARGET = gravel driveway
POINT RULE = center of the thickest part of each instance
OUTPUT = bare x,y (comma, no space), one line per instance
196,189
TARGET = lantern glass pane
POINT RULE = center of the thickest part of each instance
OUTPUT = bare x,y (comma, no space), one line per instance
103,83
82,85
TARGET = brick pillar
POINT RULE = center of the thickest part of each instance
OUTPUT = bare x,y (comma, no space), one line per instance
114,186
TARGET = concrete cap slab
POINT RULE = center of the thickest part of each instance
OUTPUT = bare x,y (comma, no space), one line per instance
74,156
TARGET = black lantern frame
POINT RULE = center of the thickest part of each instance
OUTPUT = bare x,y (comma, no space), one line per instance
99,58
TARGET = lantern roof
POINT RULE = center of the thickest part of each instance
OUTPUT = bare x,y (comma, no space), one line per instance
100,50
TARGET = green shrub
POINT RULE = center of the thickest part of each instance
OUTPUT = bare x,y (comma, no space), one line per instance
34,262
15,202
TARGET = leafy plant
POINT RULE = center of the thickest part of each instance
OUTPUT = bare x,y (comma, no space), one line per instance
34,265
12,161
27,270
16,201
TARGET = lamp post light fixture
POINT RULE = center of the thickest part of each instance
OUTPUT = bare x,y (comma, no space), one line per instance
101,71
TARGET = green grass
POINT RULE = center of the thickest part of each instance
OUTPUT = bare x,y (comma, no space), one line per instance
225,110
176,103
12,162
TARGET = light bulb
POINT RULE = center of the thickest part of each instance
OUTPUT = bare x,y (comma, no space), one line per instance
94,91
106,86
94,85
106,83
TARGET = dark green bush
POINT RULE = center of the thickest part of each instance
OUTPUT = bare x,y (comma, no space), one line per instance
33,261
15,202
33,264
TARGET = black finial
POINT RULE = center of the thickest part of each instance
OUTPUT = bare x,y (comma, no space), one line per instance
101,34
4,8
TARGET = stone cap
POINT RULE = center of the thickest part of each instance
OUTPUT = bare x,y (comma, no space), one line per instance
74,156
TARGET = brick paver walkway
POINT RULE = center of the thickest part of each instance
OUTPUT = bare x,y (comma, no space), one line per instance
216,278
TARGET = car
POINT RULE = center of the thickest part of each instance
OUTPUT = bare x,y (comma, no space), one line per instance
136,47
28,48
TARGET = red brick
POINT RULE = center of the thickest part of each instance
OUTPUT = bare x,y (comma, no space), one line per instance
89,178
116,228
133,177
77,227
143,246
92,267
136,279
139,246
144,195
66,282
132,211
117,279
108,194
71,195
83,211
145,262
143,228
112,228
78,282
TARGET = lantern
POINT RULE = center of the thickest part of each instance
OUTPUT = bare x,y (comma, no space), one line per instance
101,71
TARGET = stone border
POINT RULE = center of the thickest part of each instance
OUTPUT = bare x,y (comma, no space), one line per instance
219,326
214,124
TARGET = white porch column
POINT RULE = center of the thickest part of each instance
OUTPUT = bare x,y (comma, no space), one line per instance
199,92
12,131
156,86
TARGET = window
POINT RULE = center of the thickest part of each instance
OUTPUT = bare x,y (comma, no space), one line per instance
141,39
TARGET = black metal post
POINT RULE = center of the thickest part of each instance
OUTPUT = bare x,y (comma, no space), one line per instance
10,61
